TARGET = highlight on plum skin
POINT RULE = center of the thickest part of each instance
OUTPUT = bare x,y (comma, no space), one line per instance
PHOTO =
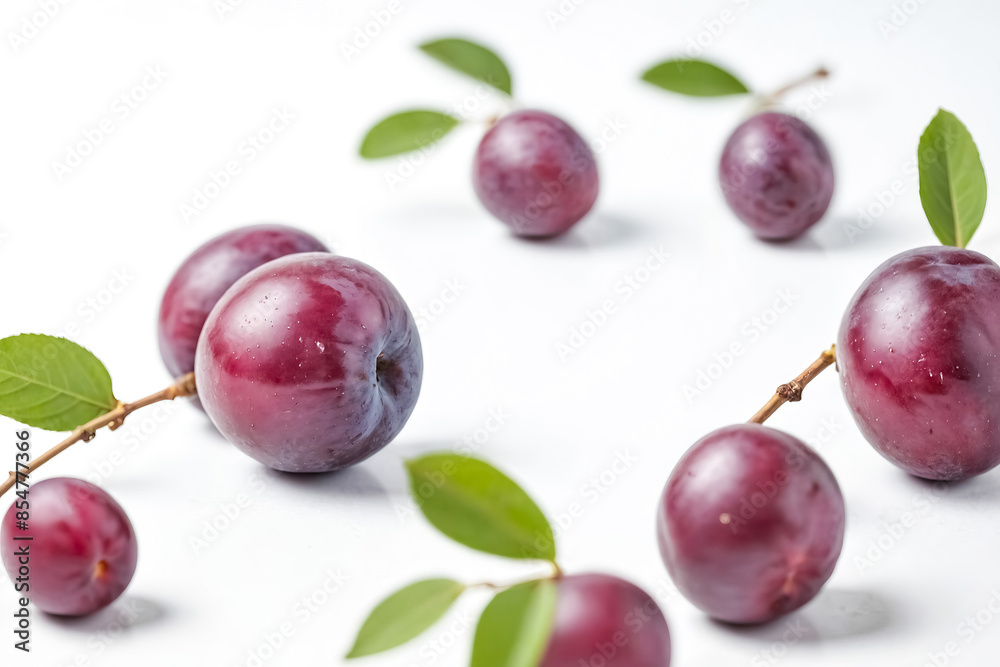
750,524
920,364
206,275
605,620
535,173
310,363
83,552
776,175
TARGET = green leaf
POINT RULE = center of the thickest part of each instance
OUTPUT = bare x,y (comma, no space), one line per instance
52,383
696,78
952,180
515,627
472,59
405,614
406,132
475,504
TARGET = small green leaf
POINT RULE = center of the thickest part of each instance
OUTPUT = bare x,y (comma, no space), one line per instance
952,180
406,132
475,504
52,383
515,627
405,614
472,59
696,78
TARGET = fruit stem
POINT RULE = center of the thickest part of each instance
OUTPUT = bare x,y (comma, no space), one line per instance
772,99
182,386
792,391
556,575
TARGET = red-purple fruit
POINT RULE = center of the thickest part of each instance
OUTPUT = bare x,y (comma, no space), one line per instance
310,363
82,552
776,175
919,358
206,275
751,524
605,621
535,173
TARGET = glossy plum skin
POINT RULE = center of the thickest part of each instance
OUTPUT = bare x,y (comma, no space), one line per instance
310,363
206,275
751,523
535,173
918,355
607,621
776,175
84,552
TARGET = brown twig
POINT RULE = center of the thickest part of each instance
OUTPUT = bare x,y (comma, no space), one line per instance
774,97
792,391
183,386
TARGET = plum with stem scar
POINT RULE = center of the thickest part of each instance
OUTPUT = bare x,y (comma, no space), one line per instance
82,550
310,363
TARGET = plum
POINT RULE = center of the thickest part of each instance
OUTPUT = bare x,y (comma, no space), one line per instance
919,366
82,552
601,620
206,275
751,524
310,363
776,175
535,173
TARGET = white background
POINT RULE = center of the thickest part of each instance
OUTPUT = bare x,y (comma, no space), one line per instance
494,347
